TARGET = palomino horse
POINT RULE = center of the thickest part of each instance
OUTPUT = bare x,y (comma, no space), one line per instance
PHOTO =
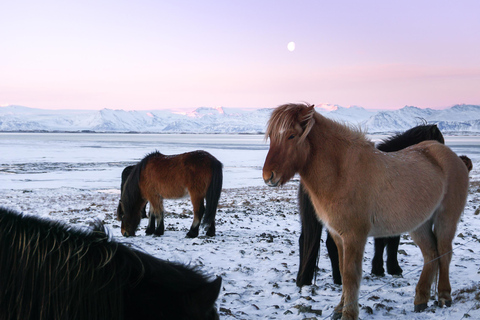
358,191
309,240
52,271
157,177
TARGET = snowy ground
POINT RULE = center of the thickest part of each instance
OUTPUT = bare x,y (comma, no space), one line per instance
75,179
256,253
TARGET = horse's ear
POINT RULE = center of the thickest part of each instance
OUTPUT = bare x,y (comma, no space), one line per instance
208,294
308,121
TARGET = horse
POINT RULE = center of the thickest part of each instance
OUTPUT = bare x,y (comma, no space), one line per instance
311,228
125,173
158,176
49,270
359,191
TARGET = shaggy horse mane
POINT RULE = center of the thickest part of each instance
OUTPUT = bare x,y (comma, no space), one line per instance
287,115
51,271
131,188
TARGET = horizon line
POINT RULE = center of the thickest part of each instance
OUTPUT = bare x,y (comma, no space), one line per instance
325,106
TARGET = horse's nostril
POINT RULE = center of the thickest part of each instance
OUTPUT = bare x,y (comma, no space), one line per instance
271,177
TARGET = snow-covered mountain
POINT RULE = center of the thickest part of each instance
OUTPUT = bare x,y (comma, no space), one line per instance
459,118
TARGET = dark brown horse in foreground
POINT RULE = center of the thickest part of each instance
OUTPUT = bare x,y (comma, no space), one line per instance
49,270
359,191
157,177
309,240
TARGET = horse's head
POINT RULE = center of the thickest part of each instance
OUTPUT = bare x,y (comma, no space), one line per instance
130,220
119,211
287,129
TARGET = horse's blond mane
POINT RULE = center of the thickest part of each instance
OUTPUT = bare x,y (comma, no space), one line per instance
287,115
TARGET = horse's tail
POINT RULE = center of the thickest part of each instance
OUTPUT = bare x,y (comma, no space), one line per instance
213,192
309,239
467,162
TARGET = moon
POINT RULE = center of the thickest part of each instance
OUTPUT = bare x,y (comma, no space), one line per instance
291,46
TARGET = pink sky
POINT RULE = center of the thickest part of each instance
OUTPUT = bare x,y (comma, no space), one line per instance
188,54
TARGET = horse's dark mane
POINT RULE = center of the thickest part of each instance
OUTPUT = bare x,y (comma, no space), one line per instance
410,137
50,271
131,190
35,256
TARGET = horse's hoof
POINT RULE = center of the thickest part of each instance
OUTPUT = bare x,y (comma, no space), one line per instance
211,233
191,234
443,303
420,307
379,272
395,271
336,315
158,233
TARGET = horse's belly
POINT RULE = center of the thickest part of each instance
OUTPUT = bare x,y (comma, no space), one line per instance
399,222
177,194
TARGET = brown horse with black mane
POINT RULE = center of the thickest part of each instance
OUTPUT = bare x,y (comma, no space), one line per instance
359,191
157,177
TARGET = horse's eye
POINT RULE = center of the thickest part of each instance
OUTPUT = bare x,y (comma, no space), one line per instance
291,137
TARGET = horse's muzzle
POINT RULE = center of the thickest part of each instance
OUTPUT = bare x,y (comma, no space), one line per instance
125,233
270,181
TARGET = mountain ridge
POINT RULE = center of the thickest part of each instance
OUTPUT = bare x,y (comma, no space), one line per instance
458,118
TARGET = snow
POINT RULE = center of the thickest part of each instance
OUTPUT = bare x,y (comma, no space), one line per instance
75,178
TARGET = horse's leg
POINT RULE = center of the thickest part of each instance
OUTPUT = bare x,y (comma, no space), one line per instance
353,249
211,229
151,221
333,254
156,215
309,240
160,222
350,250
144,211
198,211
393,267
423,236
377,262
339,243
445,232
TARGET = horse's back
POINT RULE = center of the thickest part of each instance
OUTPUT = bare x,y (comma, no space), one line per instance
455,169
173,176
442,156
415,183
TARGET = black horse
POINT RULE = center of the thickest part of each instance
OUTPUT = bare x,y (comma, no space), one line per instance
309,241
51,271
125,173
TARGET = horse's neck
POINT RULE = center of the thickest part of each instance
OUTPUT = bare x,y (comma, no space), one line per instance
335,150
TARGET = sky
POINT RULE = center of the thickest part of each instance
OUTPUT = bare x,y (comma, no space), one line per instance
151,54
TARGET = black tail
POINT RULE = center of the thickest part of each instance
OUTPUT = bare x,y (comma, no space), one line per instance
309,240
213,192
467,162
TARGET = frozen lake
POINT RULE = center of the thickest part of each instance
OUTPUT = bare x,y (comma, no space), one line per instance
95,161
